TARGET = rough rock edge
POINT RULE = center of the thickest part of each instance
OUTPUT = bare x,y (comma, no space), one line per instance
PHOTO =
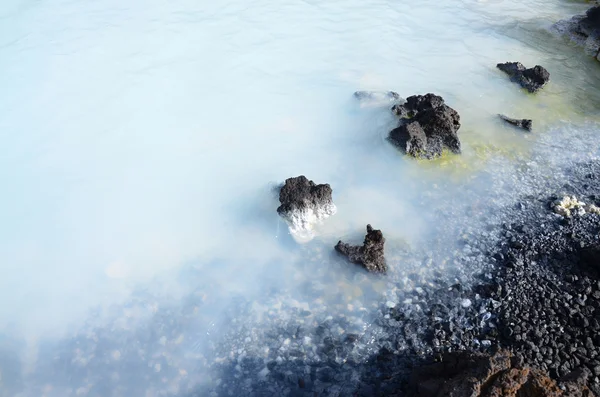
304,203
532,79
427,126
583,30
370,255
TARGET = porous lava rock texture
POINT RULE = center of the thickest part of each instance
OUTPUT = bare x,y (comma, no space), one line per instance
370,255
427,126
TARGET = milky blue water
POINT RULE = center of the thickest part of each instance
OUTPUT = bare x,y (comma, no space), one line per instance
140,143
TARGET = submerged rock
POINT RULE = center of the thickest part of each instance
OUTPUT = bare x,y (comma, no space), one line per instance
427,126
525,124
584,30
465,374
370,95
377,98
370,255
303,203
532,79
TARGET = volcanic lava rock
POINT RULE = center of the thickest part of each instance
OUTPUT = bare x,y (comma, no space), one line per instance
370,255
427,126
525,124
584,30
548,305
532,79
590,260
467,374
303,202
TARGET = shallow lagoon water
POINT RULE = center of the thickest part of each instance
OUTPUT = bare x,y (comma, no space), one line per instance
141,143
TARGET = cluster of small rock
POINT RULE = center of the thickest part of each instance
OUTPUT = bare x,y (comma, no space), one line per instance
570,205
548,289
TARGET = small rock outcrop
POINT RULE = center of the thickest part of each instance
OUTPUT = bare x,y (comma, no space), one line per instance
427,126
370,255
303,203
532,79
583,30
525,124
465,374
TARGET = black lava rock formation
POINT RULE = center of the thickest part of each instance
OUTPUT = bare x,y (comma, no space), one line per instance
525,124
583,30
370,255
532,79
427,126
300,194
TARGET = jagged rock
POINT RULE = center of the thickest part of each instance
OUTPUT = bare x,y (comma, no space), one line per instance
427,126
525,124
584,30
532,79
303,203
466,374
370,255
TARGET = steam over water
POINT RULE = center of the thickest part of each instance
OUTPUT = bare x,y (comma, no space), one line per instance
141,143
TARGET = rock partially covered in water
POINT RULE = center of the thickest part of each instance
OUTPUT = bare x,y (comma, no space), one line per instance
427,126
532,79
376,98
465,374
370,255
525,124
303,203
584,30
369,95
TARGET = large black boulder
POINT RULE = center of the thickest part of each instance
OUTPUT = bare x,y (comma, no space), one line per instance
370,255
301,194
427,126
532,79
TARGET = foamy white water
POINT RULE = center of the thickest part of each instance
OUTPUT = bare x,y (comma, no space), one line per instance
142,139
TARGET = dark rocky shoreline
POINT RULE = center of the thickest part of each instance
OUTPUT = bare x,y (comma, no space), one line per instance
538,300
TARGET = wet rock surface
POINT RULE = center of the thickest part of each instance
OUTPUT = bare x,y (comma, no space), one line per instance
370,255
303,202
525,124
487,375
427,126
548,288
538,299
300,194
583,30
532,79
